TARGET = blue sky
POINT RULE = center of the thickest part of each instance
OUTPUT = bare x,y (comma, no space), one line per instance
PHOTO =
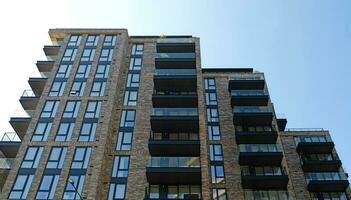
303,46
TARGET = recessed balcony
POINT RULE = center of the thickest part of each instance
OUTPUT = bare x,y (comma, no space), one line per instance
246,81
168,192
174,144
180,80
252,115
37,82
174,99
320,165
326,182
260,154
9,144
172,170
275,178
29,100
51,51
45,66
175,120
265,137
314,144
20,121
174,45
249,98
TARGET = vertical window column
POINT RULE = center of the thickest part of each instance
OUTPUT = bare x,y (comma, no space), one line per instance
90,120
68,120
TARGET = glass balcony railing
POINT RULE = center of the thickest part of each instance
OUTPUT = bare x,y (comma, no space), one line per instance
262,171
23,114
174,92
248,93
325,176
174,162
10,137
312,139
264,194
319,157
40,75
255,76
6,163
175,40
303,129
174,136
28,93
174,112
175,72
175,55
259,148
252,109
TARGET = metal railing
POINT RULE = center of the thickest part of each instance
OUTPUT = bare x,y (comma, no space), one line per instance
6,163
174,136
176,55
252,109
176,162
175,72
251,76
28,93
10,137
174,112
259,148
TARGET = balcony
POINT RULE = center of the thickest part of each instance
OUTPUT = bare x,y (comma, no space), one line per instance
175,60
45,66
174,144
175,120
320,165
249,98
181,80
174,99
252,115
51,51
260,154
29,100
174,45
20,121
326,182
264,181
252,81
38,81
9,144
314,144
168,192
266,137
172,170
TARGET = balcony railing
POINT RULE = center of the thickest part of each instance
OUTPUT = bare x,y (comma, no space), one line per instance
23,114
175,55
10,137
175,40
262,171
174,162
174,136
259,148
304,130
40,75
252,109
175,72
174,92
6,163
325,176
248,93
256,76
174,112
28,93
312,139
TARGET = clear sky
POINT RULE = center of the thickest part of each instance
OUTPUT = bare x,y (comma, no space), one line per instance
303,46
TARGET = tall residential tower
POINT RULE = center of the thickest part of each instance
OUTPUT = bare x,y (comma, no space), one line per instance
114,116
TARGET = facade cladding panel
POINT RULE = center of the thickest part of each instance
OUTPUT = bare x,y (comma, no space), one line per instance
136,117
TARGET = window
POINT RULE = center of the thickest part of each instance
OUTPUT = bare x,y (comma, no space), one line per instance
217,173
329,195
212,115
124,141
127,118
83,71
117,191
88,55
120,167
216,152
21,186
106,55
63,71
57,88
92,41
64,132
137,49
48,187
266,194
102,71
74,40
133,80
32,157
71,192
130,98
77,88
211,98
87,132
210,84
93,109
71,109
135,64
110,40
42,131
56,158
98,89
219,194
69,55
214,133
81,158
